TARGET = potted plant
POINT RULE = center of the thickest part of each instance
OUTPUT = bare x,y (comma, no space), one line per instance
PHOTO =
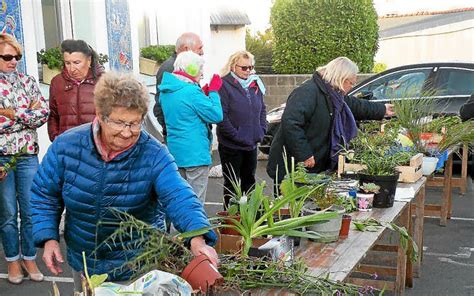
52,62
152,56
365,196
256,217
380,156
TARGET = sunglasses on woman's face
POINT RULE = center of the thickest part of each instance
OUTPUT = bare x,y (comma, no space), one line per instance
246,68
9,57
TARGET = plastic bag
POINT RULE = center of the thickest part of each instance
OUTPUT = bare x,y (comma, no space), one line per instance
154,283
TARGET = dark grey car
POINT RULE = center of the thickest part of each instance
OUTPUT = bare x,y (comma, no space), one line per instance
450,83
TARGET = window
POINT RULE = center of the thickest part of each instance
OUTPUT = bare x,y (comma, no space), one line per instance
401,84
455,81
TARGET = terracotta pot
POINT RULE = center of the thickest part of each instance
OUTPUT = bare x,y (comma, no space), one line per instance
225,230
345,226
201,274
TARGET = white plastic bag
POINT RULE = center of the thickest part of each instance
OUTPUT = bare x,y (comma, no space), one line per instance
154,283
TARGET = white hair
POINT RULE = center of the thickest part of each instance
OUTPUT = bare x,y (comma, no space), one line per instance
186,41
338,70
190,63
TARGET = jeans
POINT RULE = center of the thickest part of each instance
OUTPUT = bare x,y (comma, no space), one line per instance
197,178
241,163
14,193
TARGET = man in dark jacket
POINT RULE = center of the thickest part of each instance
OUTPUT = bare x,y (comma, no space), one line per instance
187,41
307,129
467,110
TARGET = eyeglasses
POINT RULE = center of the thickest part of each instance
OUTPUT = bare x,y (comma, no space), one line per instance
120,125
246,68
9,57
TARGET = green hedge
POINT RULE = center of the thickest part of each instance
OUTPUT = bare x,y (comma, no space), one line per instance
260,45
310,33
159,53
54,58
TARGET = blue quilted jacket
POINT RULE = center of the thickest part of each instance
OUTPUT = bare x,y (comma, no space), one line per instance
138,181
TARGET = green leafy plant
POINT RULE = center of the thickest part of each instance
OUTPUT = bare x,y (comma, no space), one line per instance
158,53
51,57
379,152
310,33
370,188
406,241
103,58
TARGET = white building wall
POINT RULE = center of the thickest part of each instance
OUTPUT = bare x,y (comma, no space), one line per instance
224,42
28,13
453,42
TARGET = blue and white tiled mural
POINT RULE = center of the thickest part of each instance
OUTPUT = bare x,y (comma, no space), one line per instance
11,23
119,33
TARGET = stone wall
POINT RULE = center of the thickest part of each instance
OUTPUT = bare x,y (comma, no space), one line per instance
280,86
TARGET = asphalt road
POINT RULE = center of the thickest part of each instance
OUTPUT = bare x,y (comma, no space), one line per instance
447,268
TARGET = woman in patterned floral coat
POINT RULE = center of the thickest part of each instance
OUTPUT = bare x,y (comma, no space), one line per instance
22,110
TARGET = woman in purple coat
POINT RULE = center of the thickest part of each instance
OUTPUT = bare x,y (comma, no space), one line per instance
244,123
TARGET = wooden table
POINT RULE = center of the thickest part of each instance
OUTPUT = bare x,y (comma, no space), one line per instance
444,209
340,260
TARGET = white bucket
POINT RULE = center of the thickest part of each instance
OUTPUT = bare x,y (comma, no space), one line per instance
429,165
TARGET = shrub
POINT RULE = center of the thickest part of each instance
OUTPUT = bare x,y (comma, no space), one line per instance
310,33
159,53
260,45
54,58
379,67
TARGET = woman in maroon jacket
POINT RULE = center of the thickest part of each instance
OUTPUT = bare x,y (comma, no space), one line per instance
71,98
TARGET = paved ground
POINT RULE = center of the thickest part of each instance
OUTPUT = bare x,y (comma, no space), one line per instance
447,269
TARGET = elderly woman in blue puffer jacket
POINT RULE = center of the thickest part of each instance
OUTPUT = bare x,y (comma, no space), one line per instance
110,163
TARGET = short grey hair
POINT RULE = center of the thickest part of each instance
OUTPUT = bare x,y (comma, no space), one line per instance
337,71
190,63
186,40
120,90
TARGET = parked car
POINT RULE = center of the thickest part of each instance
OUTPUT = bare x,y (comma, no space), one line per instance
450,83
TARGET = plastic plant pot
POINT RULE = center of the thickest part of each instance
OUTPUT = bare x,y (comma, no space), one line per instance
201,274
364,201
429,165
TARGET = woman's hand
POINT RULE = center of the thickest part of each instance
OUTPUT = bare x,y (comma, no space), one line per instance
199,247
389,112
310,162
52,257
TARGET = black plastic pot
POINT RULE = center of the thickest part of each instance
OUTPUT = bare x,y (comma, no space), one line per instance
388,187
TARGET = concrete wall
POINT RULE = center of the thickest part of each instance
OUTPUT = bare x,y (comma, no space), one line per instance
452,42
279,87
224,41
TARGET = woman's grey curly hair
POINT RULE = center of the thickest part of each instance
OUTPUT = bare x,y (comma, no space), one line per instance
120,90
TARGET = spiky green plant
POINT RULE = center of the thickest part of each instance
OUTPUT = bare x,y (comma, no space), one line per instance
252,273
156,249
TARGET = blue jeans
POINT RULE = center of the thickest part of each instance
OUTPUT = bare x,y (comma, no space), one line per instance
14,192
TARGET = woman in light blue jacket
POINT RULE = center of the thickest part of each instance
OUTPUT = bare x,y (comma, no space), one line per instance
189,111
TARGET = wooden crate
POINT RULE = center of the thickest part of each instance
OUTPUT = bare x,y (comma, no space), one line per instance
408,174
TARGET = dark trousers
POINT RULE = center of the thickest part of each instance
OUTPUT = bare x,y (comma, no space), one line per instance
240,163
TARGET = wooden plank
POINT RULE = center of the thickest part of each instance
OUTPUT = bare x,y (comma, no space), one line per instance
385,248
338,259
377,269
402,257
377,284
447,192
463,179
419,229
